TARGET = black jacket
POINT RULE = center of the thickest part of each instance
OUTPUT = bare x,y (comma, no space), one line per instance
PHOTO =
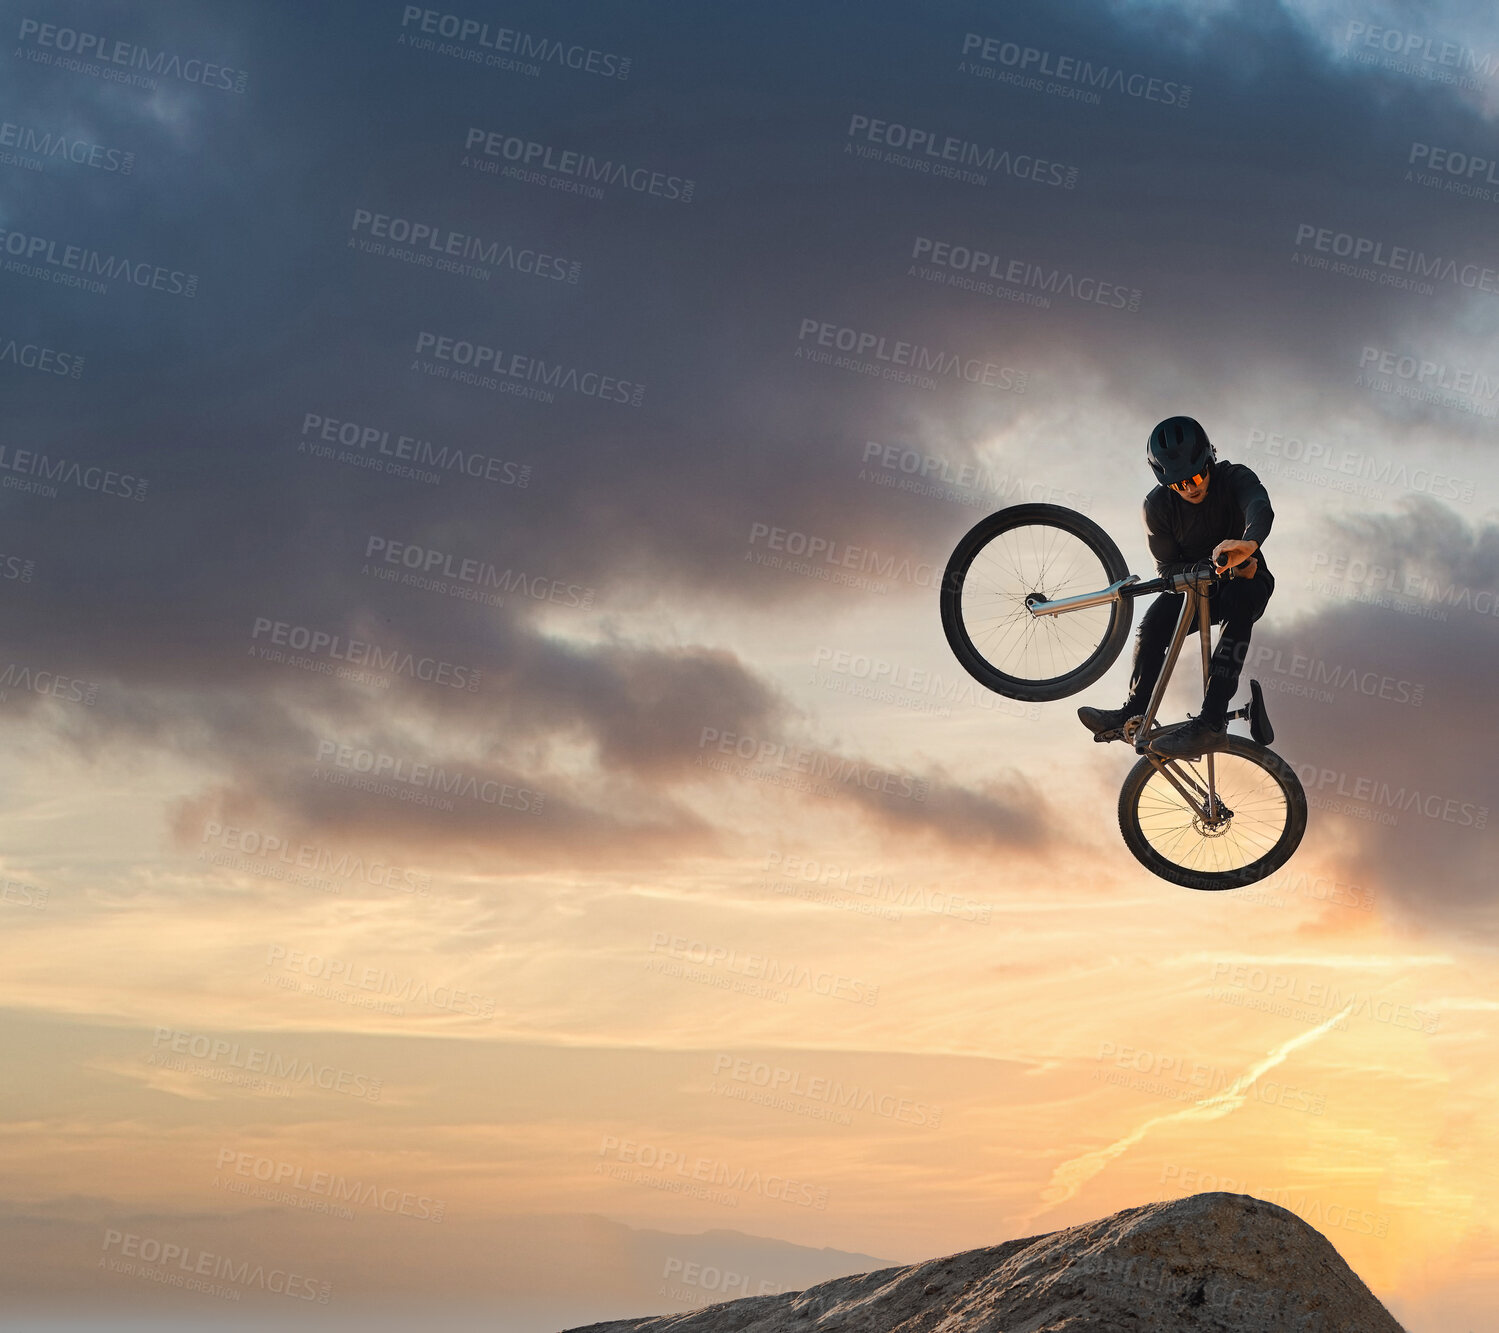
1181,534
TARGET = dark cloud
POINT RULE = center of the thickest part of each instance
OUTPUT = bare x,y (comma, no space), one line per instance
665,504
300,754
1010,815
1384,701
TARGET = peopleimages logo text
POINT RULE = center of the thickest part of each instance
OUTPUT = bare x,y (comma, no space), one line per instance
1395,259
917,358
56,145
260,1060
1420,52
485,360
337,1188
398,661
85,263
513,42
1022,273
502,147
407,989
133,1255
830,551
820,1088
445,246
271,848
818,764
43,360
389,768
132,55
1377,792
1032,60
711,1171
89,477
926,147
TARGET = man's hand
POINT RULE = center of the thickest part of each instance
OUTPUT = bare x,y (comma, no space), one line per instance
1237,552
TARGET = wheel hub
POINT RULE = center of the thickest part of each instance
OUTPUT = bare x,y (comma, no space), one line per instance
1214,828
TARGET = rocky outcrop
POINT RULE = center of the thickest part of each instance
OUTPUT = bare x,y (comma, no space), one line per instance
1211,1263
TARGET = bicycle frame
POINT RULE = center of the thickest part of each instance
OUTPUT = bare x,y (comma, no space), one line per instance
1203,800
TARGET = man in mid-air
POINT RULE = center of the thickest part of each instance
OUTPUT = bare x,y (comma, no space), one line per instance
1202,508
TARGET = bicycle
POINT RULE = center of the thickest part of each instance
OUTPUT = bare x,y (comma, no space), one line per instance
1024,612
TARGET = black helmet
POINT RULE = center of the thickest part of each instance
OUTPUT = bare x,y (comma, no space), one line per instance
1179,448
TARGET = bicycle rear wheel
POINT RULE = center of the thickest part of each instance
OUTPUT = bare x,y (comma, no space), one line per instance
1035,551
1169,838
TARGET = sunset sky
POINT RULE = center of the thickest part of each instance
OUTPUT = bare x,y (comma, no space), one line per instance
402,398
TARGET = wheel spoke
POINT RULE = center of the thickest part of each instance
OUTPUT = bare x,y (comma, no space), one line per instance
1051,562
1260,806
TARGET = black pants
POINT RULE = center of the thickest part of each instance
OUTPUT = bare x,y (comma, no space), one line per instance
1235,604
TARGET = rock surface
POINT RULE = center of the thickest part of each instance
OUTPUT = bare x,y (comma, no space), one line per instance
1211,1263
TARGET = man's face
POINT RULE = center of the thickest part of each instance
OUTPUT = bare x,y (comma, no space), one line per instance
1193,494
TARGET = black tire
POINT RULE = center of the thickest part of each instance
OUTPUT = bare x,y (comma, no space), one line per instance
1222,861
1021,550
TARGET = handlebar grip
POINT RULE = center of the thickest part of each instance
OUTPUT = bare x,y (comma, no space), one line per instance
1204,570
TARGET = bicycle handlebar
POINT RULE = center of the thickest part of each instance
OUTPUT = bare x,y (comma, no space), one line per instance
1207,571
1204,571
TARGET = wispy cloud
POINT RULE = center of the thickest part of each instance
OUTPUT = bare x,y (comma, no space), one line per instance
1068,1178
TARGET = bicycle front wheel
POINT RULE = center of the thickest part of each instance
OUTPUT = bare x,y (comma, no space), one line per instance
1036,552
1264,820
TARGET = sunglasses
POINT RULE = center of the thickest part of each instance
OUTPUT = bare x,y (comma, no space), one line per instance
1196,479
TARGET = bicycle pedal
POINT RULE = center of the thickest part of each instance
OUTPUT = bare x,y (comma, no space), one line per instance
1259,720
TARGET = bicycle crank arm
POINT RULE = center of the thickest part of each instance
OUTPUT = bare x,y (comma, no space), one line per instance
1113,593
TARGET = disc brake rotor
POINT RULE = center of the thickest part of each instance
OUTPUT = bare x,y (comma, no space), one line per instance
1218,827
